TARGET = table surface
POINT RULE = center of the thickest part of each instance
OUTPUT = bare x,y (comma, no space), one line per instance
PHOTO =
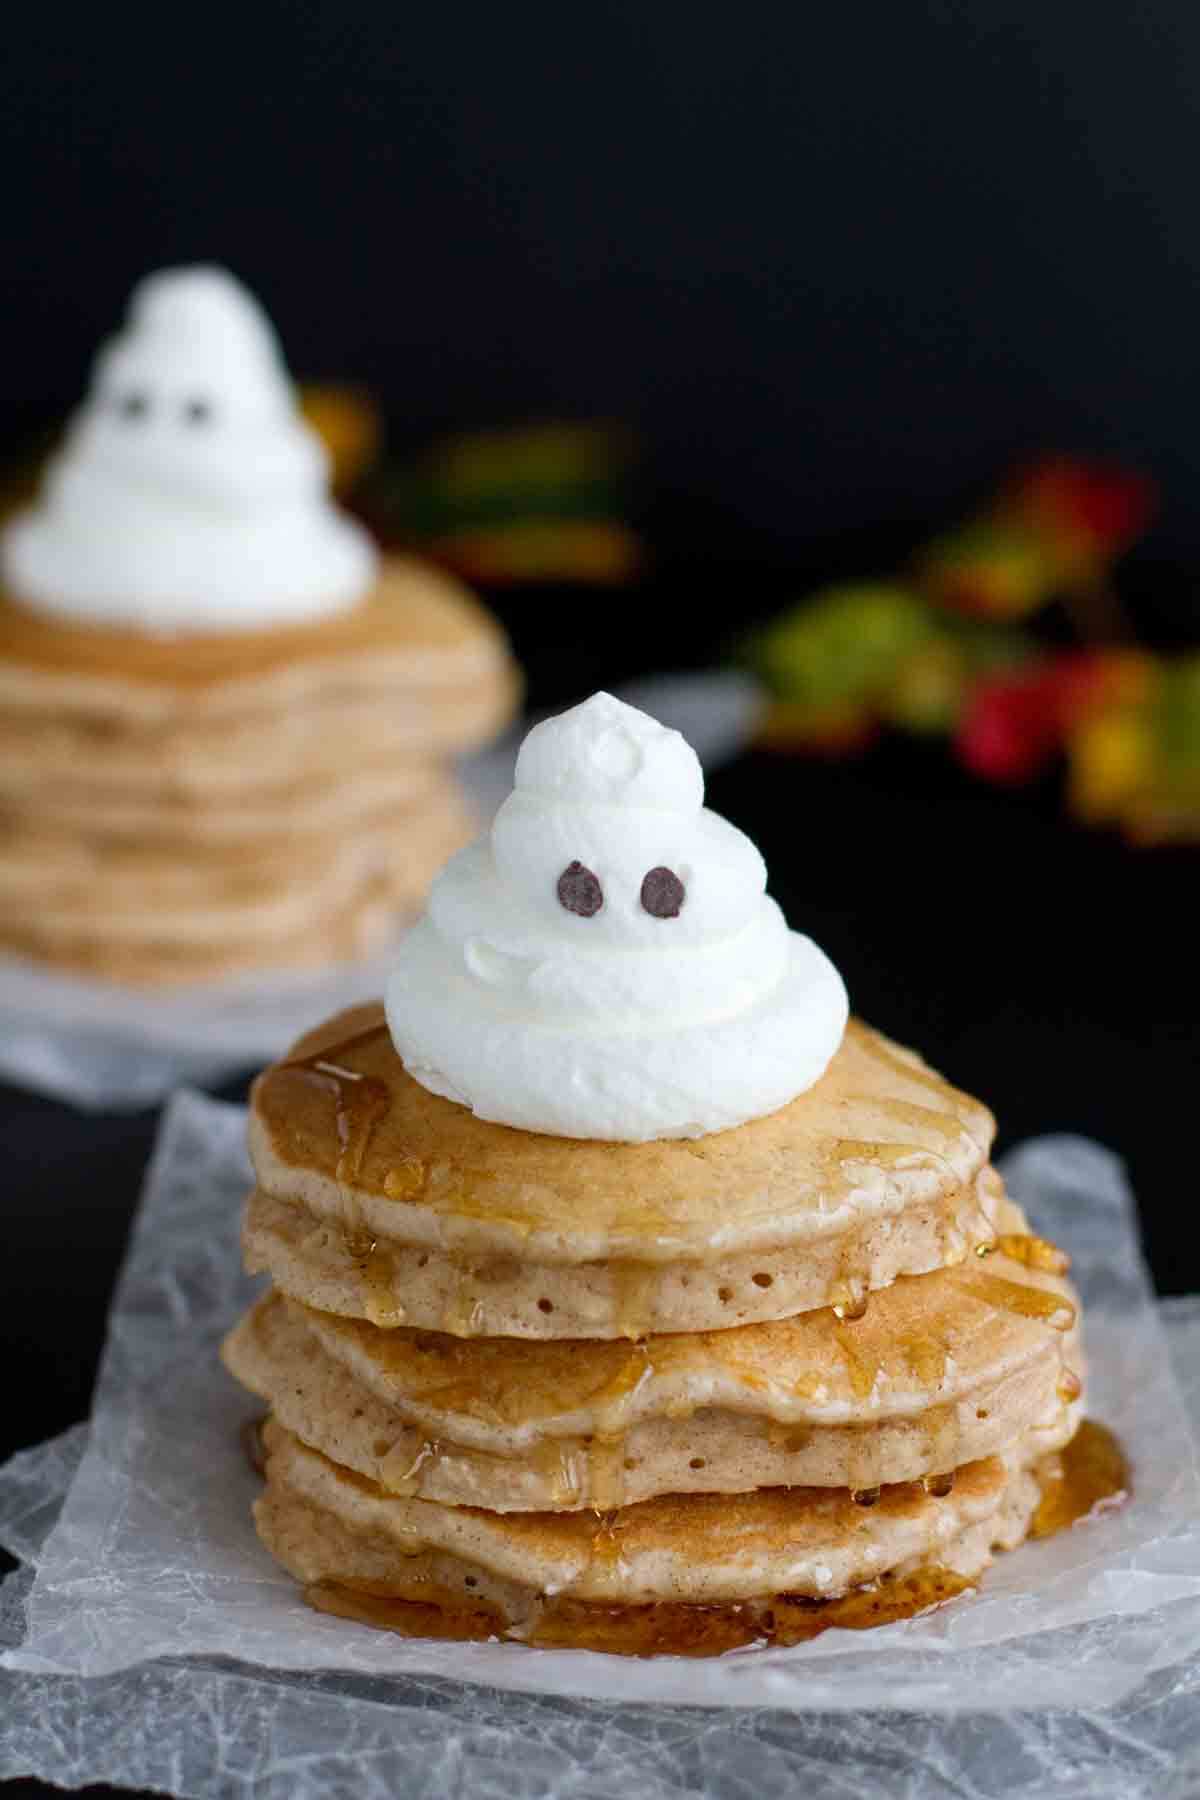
1052,972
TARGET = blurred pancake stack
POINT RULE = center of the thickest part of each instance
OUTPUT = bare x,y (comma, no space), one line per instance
173,809
227,728
671,1395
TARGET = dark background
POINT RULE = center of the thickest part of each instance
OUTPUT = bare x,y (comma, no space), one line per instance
840,266
840,261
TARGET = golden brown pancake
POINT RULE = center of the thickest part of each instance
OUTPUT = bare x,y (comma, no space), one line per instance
529,1573
943,1369
181,809
361,929
276,886
299,812
199,761
418,635
167,946
877,1171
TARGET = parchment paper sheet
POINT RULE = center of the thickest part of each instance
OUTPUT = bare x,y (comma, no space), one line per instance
98,1044
158,1645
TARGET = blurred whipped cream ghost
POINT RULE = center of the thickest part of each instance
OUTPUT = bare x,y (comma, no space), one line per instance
605,963
189,495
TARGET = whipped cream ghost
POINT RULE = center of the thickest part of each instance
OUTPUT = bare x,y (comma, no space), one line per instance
605,962
190,495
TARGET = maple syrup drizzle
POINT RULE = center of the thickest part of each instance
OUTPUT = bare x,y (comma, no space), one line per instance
405,1179
400,1470
605,1547
375,1275
463,1313
972,1223
601,1482
610,1401
958,1220
326,1068
635,1288
1012,1296
935,1120
847,1303
360,1102
430,1610
875,1155
861,1370
952,1242
811,1387
1033,1252
790,1439
926,1356
683,1630
1087,1477
847,1292
562,1463
606,1473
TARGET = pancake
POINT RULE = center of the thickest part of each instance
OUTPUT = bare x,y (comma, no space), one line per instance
180,809
943,1369
371,919
418,634
354,1271
301,813
273,884
855,1373
877,1171
131,894
529,1575
202,761
163,955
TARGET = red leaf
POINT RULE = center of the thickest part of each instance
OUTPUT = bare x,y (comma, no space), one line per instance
1109,506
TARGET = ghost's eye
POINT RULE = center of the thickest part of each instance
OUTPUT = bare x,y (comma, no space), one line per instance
133,405
198,411
663,894
580,891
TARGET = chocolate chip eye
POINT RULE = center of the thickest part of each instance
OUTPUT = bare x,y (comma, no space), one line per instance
133,405
198,411
663,894
580,891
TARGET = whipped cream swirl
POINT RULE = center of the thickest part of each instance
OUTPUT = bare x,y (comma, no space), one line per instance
189,494
606,963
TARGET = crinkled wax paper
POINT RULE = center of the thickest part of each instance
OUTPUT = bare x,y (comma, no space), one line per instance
158,1645
99,1044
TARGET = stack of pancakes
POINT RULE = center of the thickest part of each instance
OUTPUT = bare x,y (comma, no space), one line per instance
678,1395
176,808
